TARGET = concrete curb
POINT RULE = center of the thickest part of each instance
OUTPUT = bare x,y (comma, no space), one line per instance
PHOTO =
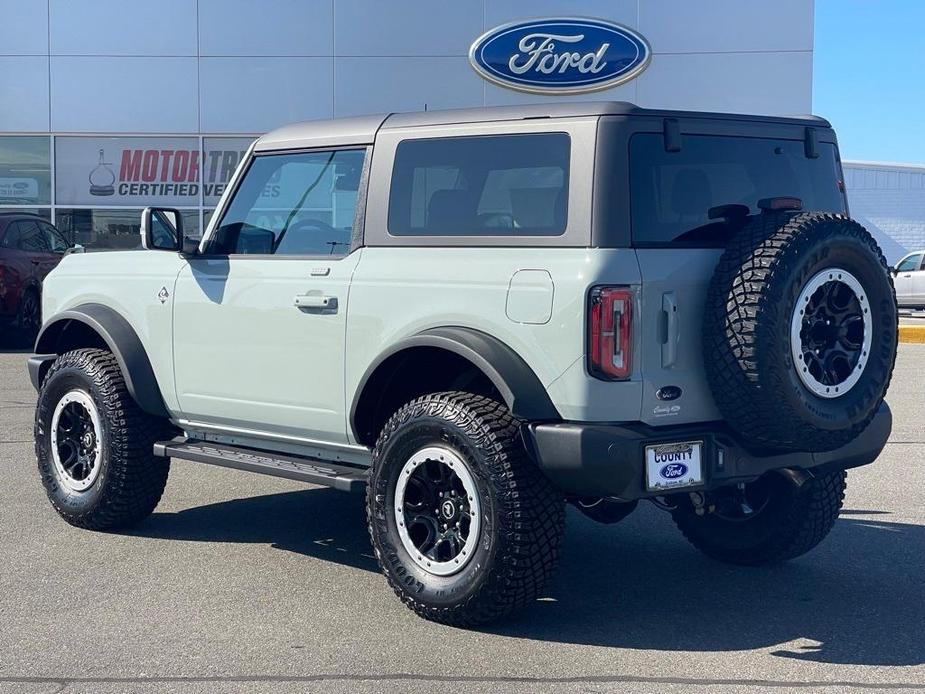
912,334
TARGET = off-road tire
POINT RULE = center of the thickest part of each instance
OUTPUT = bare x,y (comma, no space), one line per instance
746,338
523,516
796,520
131,479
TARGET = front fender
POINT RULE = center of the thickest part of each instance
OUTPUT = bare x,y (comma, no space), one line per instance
119,337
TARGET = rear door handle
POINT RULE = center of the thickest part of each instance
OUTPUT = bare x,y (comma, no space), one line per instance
670,335
316,301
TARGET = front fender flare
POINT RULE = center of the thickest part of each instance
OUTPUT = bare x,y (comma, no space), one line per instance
122,341
519,386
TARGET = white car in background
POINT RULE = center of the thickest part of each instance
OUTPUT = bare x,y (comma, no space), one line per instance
909,280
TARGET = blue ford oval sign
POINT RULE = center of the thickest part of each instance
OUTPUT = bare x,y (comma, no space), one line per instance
673,471
559,56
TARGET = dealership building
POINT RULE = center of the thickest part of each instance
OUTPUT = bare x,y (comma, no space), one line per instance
107,106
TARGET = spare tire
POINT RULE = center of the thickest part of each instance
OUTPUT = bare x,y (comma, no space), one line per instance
800,331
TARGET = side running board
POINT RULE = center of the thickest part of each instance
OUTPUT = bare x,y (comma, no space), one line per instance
347,478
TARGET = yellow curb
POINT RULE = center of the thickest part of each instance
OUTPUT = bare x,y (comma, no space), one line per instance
912,334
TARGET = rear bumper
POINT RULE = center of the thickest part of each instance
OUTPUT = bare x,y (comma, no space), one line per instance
608,459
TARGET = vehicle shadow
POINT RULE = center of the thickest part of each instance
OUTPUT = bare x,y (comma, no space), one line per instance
854,600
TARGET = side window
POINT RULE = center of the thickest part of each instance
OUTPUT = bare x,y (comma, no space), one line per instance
55,241
293,204
507,185
913,262
32,238
11,237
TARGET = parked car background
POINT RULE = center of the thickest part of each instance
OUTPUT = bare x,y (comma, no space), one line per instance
909,280
30,248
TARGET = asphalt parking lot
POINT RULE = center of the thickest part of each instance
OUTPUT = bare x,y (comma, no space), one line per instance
243,583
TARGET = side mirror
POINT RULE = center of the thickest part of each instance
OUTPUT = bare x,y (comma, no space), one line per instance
893,270
161,229
253,240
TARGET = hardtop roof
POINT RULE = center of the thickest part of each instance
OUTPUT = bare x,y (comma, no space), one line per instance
361,130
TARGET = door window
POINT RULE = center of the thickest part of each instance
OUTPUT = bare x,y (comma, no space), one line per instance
300,204
910,264
55,241
25,235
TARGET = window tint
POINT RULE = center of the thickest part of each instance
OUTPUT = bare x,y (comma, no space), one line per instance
913,262
29,237
11,236
512,185
293,204
672,192
55,240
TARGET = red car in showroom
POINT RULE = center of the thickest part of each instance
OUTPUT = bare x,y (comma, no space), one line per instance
30,248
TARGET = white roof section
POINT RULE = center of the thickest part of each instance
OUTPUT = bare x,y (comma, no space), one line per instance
361,130
917,168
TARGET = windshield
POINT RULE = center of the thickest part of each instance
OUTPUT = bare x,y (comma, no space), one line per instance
672,193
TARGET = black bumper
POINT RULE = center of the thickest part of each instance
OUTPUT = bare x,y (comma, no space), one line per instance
609,459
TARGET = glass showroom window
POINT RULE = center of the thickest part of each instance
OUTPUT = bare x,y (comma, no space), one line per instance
25,174
111,229
101,184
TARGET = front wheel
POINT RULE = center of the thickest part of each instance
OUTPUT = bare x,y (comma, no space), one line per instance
766,521
465,527
94,444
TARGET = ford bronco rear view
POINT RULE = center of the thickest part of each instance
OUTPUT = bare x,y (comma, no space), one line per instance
479,316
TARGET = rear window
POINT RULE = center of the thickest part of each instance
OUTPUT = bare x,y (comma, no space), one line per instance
672,192
510,185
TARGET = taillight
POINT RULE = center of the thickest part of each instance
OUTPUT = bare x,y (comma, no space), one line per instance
610,332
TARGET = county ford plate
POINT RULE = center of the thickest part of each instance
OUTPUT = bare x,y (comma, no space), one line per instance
672,465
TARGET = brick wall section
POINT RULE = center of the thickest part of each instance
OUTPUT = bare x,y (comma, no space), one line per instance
889,199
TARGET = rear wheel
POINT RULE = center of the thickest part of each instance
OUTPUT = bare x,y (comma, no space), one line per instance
29,317
464,525
94,445
766,521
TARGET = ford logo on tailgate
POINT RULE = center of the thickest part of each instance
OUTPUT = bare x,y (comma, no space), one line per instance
560,56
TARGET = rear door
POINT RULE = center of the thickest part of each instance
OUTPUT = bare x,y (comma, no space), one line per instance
15,271
909,280
679,244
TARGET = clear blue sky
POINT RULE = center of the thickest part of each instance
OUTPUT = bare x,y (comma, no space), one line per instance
869,77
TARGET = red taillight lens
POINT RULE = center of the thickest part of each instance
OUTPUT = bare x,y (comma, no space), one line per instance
610,328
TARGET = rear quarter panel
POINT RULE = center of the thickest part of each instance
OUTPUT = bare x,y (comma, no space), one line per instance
399,292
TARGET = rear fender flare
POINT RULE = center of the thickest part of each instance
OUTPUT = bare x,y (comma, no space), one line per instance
520,388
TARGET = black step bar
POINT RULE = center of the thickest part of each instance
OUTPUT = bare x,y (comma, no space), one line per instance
347,478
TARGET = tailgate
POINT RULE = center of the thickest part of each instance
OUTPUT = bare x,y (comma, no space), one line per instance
674,290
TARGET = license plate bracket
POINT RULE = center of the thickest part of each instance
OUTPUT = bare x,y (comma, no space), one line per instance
674,465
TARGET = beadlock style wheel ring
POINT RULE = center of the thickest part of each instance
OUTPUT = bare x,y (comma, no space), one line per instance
75,441
831,332
437,510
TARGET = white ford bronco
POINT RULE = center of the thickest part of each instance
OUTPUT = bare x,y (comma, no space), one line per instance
479,316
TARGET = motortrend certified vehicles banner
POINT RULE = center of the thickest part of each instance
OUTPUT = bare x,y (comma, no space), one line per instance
140,171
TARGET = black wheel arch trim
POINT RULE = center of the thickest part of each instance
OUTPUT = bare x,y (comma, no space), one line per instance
519,386
122,341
